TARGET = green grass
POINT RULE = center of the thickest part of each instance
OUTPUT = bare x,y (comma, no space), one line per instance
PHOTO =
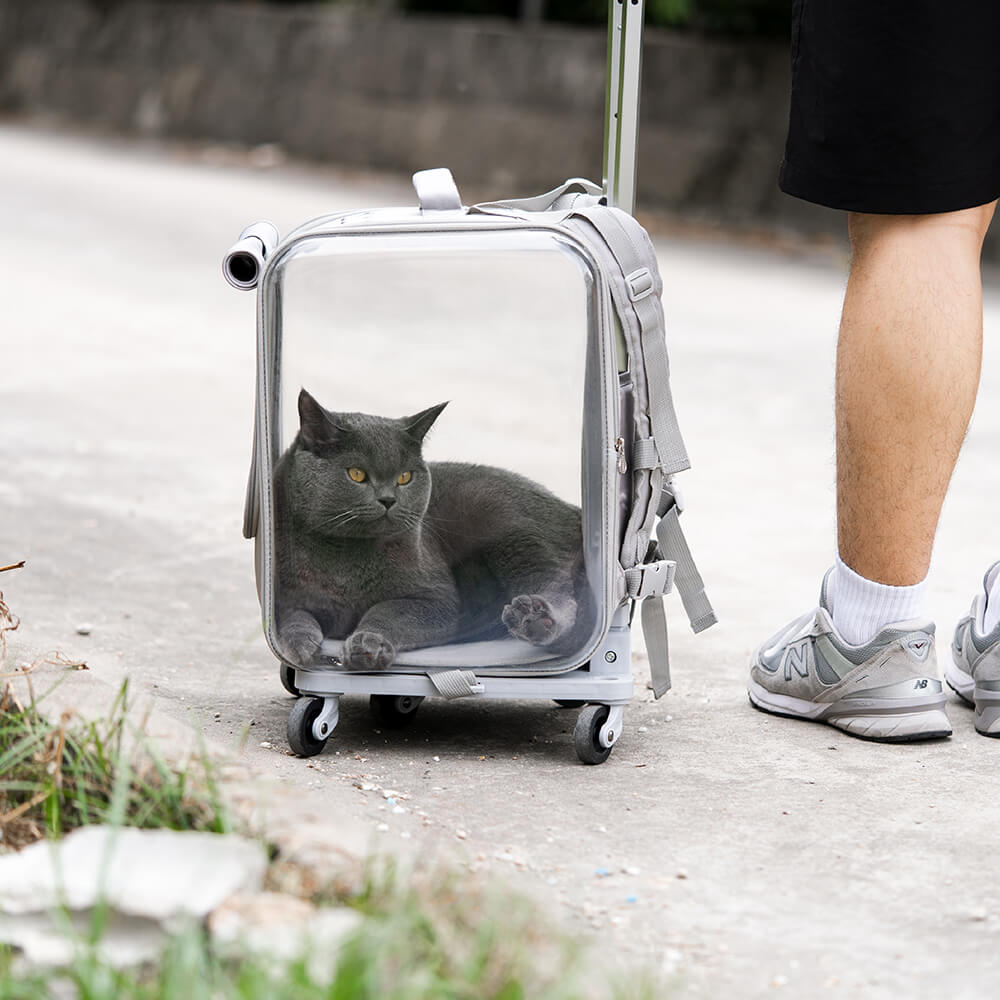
55,777
426,937
423,935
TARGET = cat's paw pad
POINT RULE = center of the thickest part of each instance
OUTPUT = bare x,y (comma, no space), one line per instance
530,618
300,646
368,651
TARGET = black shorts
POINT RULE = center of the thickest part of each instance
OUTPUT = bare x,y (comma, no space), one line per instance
895,105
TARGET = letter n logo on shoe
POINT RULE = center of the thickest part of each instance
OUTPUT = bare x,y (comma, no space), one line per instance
797,659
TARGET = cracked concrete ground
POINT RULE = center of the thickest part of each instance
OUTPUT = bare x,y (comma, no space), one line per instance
742,853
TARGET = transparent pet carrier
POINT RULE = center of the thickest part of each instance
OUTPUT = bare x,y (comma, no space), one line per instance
432,484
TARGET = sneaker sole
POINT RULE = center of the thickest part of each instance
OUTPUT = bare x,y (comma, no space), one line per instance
900,720
985,703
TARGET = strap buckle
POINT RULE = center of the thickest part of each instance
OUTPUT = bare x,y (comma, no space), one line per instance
652,579
640,284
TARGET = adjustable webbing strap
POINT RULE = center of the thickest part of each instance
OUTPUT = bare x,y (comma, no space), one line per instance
689,582
643,287
654,631
648,583
558,199
453,684
644,454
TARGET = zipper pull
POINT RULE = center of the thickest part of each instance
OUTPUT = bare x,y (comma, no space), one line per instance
620,449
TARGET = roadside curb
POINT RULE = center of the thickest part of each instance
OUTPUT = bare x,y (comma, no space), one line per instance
312,856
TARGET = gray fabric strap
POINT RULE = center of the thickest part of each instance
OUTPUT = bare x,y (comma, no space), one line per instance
643,289
561,198
453,684
686,576
650,579
654,631
644,454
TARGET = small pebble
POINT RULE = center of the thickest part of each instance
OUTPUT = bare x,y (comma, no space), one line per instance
682,873
437,758
398,810
631,870
266,745
643,729
779,981
84,629
461,834
382,827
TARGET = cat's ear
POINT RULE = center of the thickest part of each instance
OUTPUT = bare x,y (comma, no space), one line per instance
315,425
419,424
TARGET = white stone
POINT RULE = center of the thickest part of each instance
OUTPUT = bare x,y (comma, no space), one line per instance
44,941
159,874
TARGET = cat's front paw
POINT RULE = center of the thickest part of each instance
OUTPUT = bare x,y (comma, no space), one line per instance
368,651
530,617
300,641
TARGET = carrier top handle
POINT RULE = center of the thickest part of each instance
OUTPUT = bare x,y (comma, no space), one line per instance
621,109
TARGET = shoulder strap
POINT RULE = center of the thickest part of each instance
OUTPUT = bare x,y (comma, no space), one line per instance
563,199
630,245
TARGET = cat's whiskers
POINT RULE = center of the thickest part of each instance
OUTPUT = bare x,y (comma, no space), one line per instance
340,520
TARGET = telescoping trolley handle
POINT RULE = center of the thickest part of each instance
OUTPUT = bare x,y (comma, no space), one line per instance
621,110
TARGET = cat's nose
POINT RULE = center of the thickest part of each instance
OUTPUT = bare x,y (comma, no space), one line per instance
387,502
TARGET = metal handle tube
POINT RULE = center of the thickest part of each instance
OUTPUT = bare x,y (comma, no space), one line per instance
621,113
244,262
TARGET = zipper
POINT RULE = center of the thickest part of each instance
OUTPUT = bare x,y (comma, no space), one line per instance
620,451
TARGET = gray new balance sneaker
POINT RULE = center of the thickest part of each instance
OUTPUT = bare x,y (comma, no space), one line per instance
886,690
974,673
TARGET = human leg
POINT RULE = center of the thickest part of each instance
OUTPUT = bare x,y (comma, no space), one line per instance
907,373
908,363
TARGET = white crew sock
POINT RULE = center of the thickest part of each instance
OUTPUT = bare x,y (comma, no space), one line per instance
861,608
991,615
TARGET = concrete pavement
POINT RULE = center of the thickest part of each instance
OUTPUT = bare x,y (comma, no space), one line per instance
762,854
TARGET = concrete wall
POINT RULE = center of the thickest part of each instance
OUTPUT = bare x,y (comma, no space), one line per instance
510,110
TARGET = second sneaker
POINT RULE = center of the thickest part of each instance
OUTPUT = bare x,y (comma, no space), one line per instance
974,671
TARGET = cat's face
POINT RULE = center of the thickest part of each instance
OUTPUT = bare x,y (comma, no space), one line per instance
360,476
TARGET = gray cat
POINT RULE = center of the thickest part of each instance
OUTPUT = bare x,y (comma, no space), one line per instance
388,552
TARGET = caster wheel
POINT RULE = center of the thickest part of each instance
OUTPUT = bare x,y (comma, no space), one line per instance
564,703
586,734
300,726
394,711
287,674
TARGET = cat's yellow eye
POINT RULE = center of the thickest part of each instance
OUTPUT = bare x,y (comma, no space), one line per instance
358,475
404,477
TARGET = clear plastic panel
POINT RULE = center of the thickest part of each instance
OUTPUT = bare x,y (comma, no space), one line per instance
426,395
